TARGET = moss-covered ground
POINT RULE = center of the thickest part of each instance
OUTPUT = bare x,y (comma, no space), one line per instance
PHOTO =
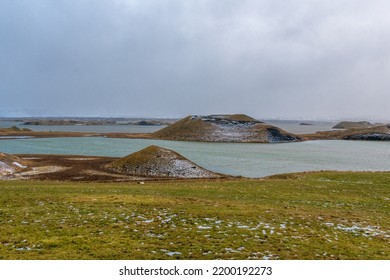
325,215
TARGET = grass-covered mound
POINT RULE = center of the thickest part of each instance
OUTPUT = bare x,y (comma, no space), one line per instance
224,128
155,161
351,125
376,133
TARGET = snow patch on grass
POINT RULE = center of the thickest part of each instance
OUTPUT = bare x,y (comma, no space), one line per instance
360,230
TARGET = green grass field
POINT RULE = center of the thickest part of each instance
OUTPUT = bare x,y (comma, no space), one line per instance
325,215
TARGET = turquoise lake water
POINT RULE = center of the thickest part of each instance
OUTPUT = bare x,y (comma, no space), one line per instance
249,160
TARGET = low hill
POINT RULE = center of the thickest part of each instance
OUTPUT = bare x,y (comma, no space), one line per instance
155,161
376,133
350,125
10,164
224,128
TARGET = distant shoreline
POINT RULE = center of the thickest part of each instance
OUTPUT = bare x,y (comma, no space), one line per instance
193,128
6,134
60,134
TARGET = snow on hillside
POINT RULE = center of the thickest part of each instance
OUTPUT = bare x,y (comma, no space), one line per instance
155,161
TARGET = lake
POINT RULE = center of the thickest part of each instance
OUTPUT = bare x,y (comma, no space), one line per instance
249,160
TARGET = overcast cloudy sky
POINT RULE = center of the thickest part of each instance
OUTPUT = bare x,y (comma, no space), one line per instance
302,59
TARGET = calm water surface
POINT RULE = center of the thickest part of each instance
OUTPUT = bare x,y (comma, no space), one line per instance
86,128
250,160
298,128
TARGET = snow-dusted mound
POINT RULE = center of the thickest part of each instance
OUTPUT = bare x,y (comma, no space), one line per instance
10,164
351,125
376,133
155,161
224,128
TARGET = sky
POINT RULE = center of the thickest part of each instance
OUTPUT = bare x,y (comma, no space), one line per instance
270,59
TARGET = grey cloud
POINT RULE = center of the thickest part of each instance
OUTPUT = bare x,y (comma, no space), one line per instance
282,59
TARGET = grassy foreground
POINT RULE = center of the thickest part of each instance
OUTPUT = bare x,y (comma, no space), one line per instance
324,215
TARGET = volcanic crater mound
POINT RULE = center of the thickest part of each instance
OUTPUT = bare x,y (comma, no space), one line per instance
224,128
155,161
